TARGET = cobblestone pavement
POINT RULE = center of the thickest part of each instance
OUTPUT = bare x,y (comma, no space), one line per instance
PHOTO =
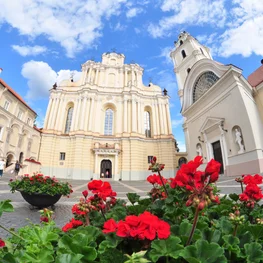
25,213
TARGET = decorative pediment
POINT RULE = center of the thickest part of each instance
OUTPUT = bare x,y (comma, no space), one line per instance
210,123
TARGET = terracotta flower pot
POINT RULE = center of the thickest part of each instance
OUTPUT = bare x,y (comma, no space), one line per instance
40,200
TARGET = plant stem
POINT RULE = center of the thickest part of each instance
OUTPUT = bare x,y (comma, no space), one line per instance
193,227
103,215
87,220
12,233
163,183
235,230
242,188
167,260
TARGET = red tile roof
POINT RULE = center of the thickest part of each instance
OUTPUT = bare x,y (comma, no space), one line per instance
256,77
16,94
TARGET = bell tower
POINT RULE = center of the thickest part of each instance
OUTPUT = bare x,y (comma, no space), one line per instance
186,53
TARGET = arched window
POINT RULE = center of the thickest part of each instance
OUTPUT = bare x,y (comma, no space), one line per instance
188,70
183,53
147,124
203,84
69,120
108,122
181,42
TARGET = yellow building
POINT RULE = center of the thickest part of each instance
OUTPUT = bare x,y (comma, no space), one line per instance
19,139
107,124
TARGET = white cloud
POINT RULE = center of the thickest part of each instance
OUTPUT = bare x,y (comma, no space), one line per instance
73,24
190,12
177,123
137,30
133,12
41,78
29,50
245,35
165,53
120,27
151,69
181,146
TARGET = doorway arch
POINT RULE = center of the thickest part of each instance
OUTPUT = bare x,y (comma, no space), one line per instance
10,159
106,169
181,161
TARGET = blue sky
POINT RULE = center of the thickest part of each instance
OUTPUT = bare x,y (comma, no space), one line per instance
42,41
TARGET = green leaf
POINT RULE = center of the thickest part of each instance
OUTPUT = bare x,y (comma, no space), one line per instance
253,252
137,258
166,248
224,225
112,256
9,258
133,197
68,258
211,235
232,243
107,244
244,237
203,252
234,197
256,231
5,206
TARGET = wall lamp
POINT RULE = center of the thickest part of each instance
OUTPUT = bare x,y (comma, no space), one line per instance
222,127
199,139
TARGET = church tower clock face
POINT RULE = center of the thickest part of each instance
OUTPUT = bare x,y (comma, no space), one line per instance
203,84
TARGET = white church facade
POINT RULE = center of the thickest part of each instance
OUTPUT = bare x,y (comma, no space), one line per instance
107,124
222,110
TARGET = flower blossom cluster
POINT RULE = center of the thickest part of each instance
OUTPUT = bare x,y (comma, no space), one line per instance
253,192
143,227
154,166
198,183
155,179
72,224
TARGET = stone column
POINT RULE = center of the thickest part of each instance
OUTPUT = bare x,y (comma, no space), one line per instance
62,115
74,117
116,167
164,119
83,114
118,124
125,116
54,114
134,128
139,117
223,146
154,120
91,114
48,113
96,76
58,118
87,111
98,116
96,166
89,75
168,119
125,78
20,139
160,117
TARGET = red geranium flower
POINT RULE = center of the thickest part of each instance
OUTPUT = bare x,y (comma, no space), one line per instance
85,193
109,226
2,243
249,179
67,227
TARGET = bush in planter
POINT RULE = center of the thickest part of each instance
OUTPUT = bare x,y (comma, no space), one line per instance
40,184
106,230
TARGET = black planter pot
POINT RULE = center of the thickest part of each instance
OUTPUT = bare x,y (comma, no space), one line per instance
40,200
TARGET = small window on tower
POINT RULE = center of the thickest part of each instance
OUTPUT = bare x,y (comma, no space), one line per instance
202,51
181,42
62,156
150,159
183,53
188,70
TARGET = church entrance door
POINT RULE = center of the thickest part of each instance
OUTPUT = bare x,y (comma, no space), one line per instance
106,169
218,155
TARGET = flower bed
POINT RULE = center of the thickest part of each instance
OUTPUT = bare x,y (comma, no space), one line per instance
183,220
